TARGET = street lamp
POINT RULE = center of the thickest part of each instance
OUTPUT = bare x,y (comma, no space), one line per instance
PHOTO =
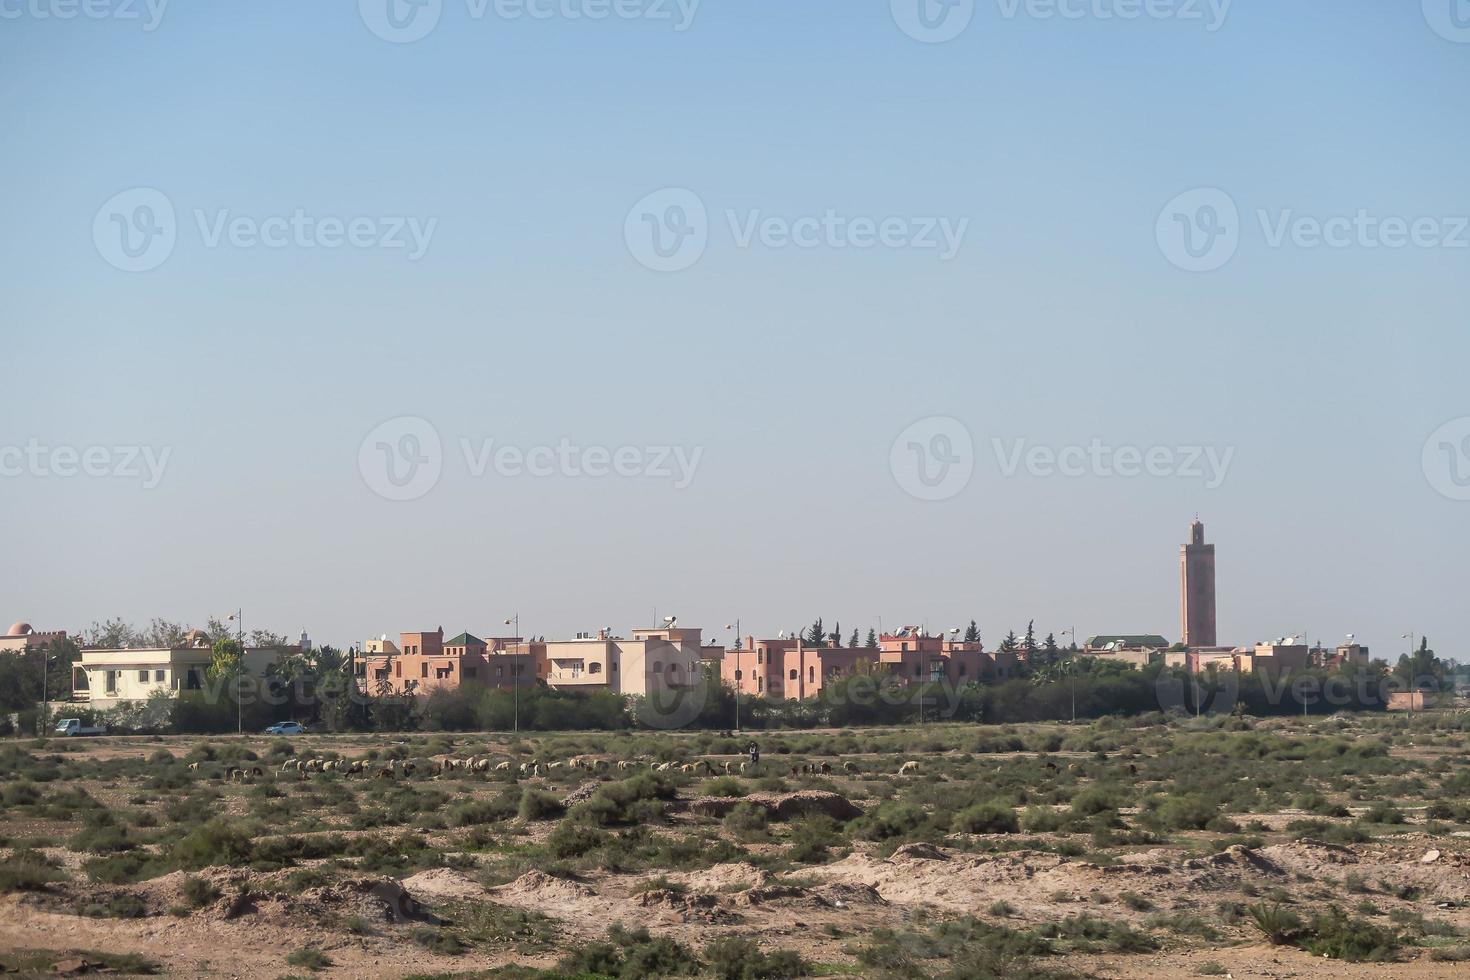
515,677
1071,631
739,647
1410,665
238,618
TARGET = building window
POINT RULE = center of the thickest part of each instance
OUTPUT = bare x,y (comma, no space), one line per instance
903,647
793,673
811,675
423,670
594,668
499,671
760,683
111,684
158,676
760,656
739,675
143,676
962,670
398,670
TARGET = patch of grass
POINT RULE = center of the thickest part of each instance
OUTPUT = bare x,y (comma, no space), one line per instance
27,871
310,958
733,958
198,892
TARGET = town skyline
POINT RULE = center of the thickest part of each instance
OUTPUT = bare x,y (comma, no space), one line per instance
1191,550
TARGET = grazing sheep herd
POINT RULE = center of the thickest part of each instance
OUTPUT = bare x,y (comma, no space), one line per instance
485,764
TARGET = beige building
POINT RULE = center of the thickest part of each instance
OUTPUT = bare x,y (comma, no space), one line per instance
107,678
653,660
21,637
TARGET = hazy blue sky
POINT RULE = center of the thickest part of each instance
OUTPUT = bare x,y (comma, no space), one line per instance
519,147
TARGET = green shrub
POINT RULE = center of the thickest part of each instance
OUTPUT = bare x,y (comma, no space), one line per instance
309,957
733,958
540,805
27,870
217,842
198,892
1280,926
747,820
986,818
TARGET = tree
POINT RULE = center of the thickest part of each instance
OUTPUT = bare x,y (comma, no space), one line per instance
228,660
114,634
836,635
1028,645
1010,644
972,633
816,636
853,641
163,634
1050,652
872,642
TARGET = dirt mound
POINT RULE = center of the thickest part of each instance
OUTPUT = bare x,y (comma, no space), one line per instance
542,886
723,878
1240,857
443,883
811,802
842,896
581,794
781,806
918,852
683,907
381,899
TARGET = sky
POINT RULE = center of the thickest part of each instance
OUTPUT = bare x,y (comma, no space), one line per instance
365,319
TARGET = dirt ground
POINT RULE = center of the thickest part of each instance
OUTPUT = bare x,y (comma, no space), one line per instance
1173,890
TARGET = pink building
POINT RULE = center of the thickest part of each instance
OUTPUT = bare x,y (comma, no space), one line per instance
789,668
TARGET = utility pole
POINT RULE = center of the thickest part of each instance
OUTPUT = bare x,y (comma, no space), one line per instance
515,676
739,650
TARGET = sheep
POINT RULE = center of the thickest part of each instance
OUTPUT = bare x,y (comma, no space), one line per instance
503,766
850,766
483,764
709,770
384,773
555,765
624,764
729,766
357,766
825,769
910,768
193,767
289,765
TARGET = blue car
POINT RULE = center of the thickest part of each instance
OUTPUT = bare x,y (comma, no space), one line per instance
286,728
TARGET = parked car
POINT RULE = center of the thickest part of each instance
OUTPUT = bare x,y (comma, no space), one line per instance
286,728
74,726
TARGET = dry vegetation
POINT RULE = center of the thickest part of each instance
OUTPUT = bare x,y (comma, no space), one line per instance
1143,848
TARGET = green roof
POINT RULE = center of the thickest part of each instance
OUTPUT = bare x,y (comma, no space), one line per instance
1152,640
465,640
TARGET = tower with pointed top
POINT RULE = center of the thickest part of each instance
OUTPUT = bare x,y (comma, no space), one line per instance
1197,588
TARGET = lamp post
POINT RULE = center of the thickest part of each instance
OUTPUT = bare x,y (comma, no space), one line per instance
1072,670
515,676
238,618
739,647
1410,665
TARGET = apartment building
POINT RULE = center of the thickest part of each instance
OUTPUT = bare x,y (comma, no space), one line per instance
652,660
107,678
